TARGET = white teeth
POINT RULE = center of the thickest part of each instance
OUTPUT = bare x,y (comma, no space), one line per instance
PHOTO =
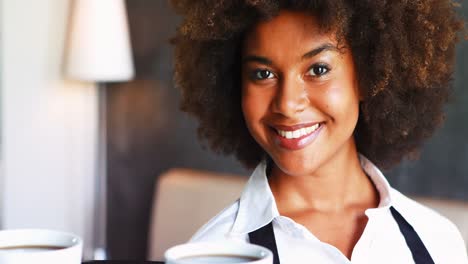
303,132
298,133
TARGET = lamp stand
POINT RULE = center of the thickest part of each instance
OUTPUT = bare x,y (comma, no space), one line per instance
100,209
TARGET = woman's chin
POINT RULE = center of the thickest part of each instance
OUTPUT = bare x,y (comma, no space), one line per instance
296,169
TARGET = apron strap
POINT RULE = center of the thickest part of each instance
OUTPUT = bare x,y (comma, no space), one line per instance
414,242
265,236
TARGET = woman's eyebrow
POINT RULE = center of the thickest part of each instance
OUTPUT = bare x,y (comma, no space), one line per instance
310,54
319,49
258,59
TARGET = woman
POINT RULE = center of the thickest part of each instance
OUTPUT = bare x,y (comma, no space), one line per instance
310,92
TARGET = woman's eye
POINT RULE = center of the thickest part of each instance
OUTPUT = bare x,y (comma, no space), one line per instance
318,70
262,74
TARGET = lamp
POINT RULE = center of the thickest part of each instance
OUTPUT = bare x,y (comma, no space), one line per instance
99,51
99,46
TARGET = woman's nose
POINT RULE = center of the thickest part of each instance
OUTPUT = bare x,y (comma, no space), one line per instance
291,97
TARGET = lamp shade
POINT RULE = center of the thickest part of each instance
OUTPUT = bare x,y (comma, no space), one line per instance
99,48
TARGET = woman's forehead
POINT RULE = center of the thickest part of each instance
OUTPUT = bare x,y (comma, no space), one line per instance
289,30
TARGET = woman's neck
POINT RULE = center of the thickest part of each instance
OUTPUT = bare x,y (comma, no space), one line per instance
338,185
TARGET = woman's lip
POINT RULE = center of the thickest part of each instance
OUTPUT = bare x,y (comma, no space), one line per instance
297,143
294,127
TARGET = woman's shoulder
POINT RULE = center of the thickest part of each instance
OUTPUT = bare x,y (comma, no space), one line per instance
415,211
219,227
440,235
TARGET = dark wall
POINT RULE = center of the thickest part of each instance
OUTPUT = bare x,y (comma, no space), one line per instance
147,134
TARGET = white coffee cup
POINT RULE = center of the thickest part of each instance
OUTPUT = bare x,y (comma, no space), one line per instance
28,246
221,253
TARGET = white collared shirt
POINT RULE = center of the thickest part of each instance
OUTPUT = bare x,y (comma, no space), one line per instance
381,242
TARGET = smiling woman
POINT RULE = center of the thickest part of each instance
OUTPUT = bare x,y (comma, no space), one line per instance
310,92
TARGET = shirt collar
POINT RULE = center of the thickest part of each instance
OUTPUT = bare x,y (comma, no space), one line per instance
379,181
257,206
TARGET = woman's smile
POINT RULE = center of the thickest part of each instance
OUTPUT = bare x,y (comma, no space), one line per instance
297,136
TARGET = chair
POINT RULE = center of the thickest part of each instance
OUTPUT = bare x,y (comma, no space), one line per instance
185,199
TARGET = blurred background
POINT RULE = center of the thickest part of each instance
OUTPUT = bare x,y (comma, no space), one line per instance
85,154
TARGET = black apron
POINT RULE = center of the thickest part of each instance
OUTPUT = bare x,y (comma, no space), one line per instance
265,237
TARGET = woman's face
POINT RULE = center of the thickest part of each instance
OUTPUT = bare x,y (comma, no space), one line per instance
299,93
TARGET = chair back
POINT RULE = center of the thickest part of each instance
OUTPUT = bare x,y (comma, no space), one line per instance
184,200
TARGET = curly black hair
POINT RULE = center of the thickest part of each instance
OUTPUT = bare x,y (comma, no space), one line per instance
404,52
